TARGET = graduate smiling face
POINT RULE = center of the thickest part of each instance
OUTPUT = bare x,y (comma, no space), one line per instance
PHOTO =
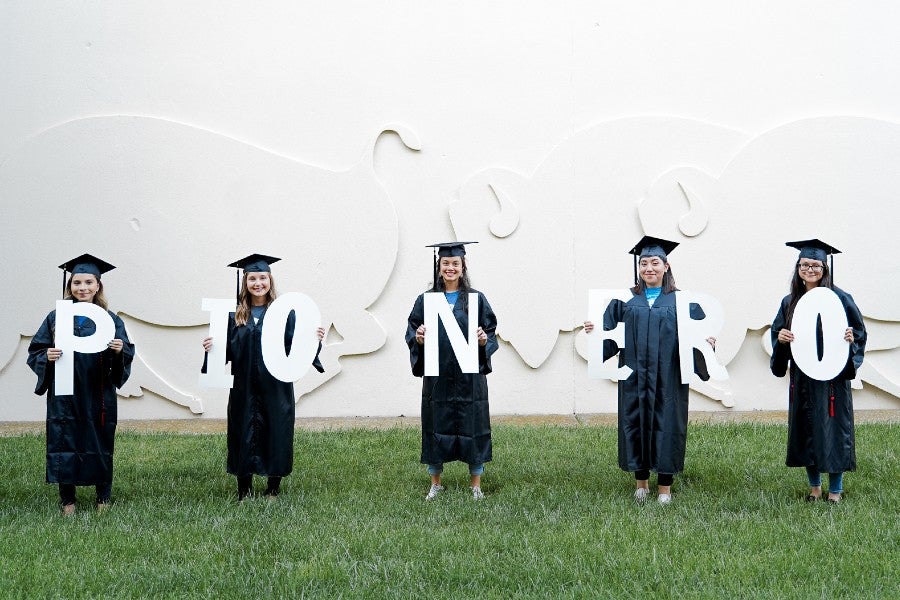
652,269
811,271
84,286
451,268
258,285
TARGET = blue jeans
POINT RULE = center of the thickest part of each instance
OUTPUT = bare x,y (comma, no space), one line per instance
835,480
474,470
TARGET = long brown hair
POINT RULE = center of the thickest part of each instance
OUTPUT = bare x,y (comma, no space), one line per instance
99,298
242,314
798,288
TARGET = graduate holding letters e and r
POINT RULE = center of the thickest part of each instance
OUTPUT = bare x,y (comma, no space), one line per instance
662,336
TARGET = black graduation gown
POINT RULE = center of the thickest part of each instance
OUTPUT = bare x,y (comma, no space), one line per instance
81,428
653,401
260,407
820,413
456,422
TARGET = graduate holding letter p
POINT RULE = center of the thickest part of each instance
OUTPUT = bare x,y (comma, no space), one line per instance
653,400
456,421
81,421
261,410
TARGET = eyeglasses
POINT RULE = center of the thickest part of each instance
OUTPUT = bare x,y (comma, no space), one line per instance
809,267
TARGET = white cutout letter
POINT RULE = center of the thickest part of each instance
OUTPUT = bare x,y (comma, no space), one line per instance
598,301
824,303
437,307
69,343
692,333
291,367
217,375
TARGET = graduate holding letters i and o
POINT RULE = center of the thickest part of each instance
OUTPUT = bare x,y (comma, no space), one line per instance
451,337
653,397
819,337
261,409
81,354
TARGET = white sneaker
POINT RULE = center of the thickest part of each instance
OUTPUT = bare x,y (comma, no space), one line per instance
664,498
640,494
477,493
434,491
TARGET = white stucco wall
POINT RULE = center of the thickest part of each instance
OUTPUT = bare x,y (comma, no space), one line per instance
173,137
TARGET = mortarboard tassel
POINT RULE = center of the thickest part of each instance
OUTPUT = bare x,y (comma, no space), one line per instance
635,269
436,269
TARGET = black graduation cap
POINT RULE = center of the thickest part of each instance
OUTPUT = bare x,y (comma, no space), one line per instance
450,248
816,250
254,263
447,249
85,263
651,246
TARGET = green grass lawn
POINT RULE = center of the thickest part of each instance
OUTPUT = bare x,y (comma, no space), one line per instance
558,521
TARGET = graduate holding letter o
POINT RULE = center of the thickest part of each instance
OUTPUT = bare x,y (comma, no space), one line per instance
455,414
653,399
81,425
820,411
261,410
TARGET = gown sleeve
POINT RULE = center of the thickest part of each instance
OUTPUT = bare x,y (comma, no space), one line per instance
416,352
37,354
781,353
316,363
487,320
231,325
289,342
700,367
120,364
858,345
612,316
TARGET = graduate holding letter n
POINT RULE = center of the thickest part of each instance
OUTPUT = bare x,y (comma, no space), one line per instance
455,414
81,354
653,399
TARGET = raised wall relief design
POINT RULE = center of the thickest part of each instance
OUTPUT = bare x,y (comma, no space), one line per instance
170,205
